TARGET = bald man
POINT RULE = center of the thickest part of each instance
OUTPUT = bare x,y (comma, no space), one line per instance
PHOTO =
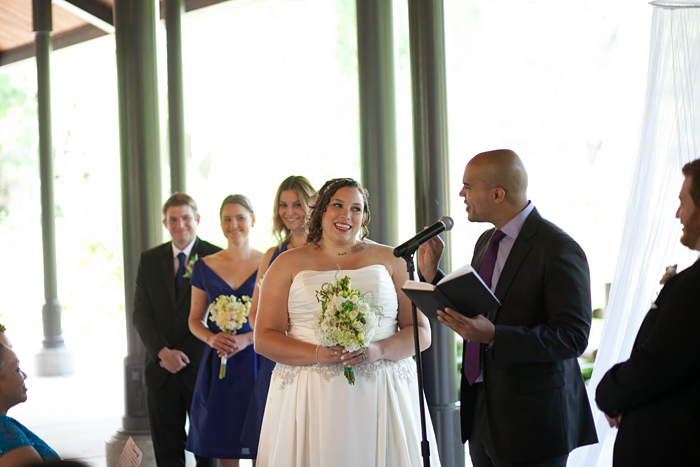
523,400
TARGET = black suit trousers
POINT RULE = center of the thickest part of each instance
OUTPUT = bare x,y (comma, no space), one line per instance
481,449
168,407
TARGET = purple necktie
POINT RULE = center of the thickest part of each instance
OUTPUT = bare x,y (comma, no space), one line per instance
471,363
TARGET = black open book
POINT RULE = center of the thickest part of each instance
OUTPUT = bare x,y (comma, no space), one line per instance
462,290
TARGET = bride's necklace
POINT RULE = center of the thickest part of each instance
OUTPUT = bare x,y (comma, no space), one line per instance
356,247
344,252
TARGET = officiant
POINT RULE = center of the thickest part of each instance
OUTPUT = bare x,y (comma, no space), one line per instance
523,400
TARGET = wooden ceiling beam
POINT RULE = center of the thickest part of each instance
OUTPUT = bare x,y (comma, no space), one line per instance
90,11
69,18
58,41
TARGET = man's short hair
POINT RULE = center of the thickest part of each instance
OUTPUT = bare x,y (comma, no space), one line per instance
180,199
692,169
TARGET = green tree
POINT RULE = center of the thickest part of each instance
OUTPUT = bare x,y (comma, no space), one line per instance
17,132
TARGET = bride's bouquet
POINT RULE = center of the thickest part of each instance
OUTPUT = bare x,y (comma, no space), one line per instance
346,318
229,313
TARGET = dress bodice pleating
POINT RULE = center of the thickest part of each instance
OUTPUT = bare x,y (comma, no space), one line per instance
302,303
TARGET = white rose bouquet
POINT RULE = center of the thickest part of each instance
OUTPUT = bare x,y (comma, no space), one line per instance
229,313
346,318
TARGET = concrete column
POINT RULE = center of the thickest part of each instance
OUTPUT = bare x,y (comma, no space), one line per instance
375,56
53,359
174,11
427,42
139,139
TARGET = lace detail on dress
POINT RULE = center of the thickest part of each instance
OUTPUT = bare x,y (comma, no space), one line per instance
405,369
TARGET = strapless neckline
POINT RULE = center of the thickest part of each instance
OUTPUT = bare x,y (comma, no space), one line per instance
302,302
339,271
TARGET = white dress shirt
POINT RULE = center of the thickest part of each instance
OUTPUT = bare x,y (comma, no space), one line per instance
177,251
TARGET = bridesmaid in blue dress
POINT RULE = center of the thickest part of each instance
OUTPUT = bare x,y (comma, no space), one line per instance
289,214
219,405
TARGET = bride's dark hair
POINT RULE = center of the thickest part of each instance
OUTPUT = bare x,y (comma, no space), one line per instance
319,205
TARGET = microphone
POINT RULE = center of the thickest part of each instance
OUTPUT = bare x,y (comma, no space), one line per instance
408,248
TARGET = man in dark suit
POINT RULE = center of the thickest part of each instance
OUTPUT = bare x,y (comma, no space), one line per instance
523,400
654,397
161,312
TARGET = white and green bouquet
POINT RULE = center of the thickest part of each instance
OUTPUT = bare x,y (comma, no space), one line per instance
346,318
229,313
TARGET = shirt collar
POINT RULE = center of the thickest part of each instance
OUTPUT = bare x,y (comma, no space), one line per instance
186,251
514,226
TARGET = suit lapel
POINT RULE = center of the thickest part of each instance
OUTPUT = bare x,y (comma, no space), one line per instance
517,255
185,280
480,248
168,263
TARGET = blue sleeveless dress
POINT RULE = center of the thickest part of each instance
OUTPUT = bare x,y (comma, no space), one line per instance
219,405
14,435
256,407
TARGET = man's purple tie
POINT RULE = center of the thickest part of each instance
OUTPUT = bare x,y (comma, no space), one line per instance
471,363
180,272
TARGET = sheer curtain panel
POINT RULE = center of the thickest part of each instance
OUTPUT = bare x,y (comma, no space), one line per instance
669,138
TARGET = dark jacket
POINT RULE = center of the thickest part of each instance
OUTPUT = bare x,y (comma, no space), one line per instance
160,317
658,389
535,397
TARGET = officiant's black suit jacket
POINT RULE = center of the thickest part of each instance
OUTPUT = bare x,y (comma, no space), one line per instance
535,397
658,388
161,317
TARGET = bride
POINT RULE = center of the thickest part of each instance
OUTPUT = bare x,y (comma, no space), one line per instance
313,417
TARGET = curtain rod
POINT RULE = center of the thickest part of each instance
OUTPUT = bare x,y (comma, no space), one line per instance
675,4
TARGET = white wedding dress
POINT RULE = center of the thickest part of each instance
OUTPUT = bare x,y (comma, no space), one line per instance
315,418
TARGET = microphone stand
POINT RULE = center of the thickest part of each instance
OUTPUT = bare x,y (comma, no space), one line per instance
425,446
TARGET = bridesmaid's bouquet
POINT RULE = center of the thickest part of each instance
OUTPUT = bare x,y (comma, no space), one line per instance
346,318
229,313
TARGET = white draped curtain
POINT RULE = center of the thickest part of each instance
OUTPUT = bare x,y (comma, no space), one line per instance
670,137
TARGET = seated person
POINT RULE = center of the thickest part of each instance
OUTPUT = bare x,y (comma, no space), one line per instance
18,446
